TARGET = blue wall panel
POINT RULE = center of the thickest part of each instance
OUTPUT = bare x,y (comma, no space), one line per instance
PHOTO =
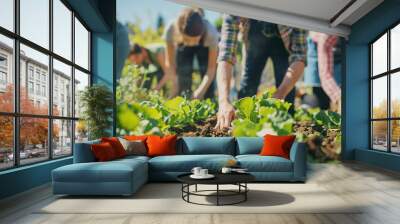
24,178
356,109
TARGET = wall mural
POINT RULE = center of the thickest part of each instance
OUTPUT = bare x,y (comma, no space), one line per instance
194,72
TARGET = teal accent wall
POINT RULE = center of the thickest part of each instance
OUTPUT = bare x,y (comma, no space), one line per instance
356,98
99,15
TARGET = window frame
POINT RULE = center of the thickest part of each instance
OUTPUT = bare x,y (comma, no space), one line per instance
388,74
16,114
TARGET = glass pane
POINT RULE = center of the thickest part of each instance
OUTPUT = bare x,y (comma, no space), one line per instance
34,97
81,81
395,47
6,74
379,55
6,142
7,14
395,94
379,135
33,139
62,29
379,97
62,138
395,138
81,45
81,131
62,89
35,21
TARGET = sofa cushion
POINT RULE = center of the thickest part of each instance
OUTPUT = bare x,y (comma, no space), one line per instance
249,145
185,163
112,171
103,152
161,146
277,145
206,145
257,163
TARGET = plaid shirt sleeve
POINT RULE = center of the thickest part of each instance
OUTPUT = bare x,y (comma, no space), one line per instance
229,39
325,45
295,41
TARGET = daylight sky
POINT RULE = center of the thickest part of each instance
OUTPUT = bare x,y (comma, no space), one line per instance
148,10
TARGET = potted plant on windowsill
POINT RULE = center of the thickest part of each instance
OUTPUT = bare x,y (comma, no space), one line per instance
96,102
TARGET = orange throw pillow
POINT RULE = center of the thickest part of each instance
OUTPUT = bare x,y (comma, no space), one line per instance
103,152
277,145
116,145
161,146
136,137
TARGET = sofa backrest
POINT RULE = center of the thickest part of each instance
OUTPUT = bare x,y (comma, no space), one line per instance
249,145
83,153
206,145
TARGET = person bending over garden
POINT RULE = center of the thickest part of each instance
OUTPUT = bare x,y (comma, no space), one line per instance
152,60
286,46
191,36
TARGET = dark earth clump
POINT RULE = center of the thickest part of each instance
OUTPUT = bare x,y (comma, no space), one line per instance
204,128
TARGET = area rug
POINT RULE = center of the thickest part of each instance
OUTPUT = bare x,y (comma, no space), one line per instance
166,198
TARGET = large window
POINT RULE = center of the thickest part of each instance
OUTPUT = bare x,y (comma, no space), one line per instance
44,64
385,93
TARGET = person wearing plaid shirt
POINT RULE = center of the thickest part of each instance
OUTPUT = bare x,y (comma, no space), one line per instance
286,46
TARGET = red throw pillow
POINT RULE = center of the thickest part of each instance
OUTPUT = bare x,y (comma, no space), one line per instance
116,145
277,145
161,146
103,151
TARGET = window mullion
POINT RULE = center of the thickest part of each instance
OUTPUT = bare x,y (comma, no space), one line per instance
50,81
389,106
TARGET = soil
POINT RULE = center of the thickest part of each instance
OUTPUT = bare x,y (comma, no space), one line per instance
203,128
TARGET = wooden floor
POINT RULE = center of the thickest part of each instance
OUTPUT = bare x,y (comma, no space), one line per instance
377,188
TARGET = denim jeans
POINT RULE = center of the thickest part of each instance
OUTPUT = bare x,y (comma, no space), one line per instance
185,56
260,47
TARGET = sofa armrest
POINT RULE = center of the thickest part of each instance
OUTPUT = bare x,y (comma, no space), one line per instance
298,155
83,152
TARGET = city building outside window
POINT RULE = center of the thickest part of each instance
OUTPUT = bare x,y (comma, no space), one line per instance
56,127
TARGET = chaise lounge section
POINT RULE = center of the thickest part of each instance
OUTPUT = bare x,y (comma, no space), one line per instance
125,176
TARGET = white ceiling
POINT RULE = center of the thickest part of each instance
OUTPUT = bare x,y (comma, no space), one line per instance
316,15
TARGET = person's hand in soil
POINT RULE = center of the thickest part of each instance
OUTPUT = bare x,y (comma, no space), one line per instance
226,113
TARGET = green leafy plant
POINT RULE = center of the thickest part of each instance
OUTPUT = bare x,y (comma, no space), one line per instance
96,103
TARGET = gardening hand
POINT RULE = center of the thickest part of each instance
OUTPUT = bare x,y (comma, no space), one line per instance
226,113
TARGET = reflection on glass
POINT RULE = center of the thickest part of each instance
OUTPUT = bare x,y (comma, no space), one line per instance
33,139
81,45
62,89
81,82
62,138
62,29
34,96
35,21
379,97
7,14
395,47
6,142
379,55
395,94
6,74
379,135
81,131
395,136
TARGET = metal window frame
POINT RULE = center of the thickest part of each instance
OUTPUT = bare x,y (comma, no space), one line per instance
388,74
16,114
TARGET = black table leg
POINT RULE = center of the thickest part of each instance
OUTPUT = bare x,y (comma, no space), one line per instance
217,194
195,188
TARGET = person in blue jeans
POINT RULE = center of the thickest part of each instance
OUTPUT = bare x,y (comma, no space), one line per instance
264,41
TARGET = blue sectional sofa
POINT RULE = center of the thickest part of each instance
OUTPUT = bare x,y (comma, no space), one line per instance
125,176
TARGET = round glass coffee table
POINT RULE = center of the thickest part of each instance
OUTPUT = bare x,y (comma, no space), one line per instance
238,179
